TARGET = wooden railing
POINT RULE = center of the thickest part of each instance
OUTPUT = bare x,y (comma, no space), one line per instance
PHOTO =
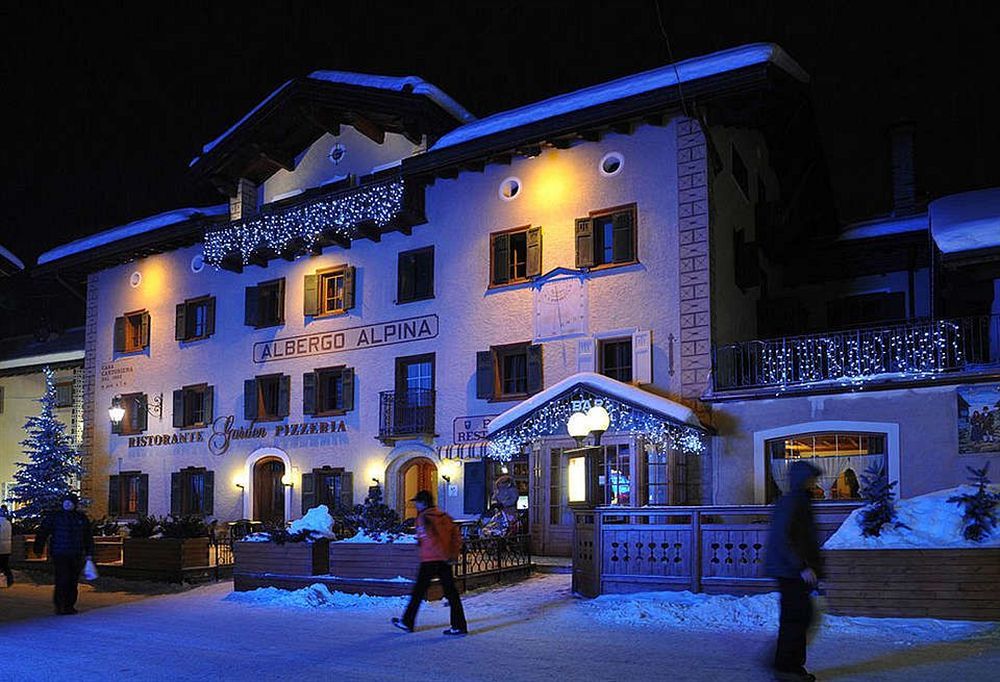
716,549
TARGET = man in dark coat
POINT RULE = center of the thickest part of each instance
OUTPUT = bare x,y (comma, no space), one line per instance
793,557
72,545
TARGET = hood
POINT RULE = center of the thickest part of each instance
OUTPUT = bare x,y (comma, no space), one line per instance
800,472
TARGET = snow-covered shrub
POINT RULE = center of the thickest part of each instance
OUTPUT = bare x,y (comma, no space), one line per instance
374,518
879,496
183,527
144,527
979,514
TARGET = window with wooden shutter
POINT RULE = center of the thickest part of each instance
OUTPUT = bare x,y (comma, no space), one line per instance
415,275
192,492
329,291
270,395
350,287
136,414
265,304
615,358
584,233
508,372
612,236
510,255
132,332
129,491
533,245
193,406
310,295
499,258
195,319
333,390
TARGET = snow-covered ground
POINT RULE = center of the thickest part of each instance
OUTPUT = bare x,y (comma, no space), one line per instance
929,522
533,630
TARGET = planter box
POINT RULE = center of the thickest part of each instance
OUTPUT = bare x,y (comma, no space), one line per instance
373,560
297,558
22,551
170,554
960,584
107,550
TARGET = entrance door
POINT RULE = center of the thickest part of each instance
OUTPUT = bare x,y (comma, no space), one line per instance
418,474
268,492
551,517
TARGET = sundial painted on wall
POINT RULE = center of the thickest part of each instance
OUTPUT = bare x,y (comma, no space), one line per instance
560,305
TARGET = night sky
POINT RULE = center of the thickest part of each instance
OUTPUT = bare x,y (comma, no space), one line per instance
107,103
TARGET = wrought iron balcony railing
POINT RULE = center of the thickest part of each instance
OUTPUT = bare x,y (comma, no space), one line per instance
406,413
907,350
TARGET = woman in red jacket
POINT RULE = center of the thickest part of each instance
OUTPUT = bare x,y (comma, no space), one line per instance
440,543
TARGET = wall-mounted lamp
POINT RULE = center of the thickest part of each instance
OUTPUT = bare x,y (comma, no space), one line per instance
286,480
376,480
595,422
117,410
447,478
504,469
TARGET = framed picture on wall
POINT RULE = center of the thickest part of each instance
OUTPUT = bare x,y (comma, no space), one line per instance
979,419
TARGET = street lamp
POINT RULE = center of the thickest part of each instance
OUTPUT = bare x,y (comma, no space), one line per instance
117,411
594,422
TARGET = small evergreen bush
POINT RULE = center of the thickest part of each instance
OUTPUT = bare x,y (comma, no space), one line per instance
880,508
144,527
183,527
374,518
979,513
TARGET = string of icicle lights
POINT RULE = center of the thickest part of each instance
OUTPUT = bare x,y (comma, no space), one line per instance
551,419
339,214
857,358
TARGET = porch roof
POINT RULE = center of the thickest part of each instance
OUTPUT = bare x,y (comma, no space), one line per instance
626,393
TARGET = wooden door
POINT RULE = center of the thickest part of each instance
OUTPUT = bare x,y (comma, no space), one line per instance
419,474
268,491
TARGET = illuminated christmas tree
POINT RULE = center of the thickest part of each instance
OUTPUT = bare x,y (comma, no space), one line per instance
53,468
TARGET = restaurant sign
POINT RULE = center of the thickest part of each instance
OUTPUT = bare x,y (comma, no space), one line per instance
352,338
224,431
471,429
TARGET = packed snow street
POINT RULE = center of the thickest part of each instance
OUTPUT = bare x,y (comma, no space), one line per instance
532,630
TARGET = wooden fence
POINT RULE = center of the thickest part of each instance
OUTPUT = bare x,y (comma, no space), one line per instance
716,549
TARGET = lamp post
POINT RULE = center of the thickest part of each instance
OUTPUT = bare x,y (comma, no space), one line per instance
579,474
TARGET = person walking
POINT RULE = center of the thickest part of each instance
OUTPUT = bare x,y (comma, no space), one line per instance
793,557
72,546
440,543
6,536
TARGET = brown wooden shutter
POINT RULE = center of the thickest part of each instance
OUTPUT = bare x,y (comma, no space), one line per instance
280,304
178,417
175,493
623,232
143,494
501,258
284,395
144,330
349,287
484,375
348,377
584,243
210,316
180,322
309,393
119,334
534,240
308,492
209,404
114,496
209,502
347,490
250,399
142,412
310,295
534,368
250,313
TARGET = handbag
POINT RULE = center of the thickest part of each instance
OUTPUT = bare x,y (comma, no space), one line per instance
89,571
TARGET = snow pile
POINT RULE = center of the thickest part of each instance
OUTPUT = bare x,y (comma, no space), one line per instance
316,596
720,612
317,522
934,523
362,538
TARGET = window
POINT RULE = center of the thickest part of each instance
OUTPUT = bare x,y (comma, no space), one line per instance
265,304
132,332
193,406
415,275
64,394
842,458
740,173
509,189
615,357
195,319
606,237
328,292
614,477
267,397
509,372
555,487
136,414
192,492
661,477
128,494
328,391
864,309
515,255
331,486
611,163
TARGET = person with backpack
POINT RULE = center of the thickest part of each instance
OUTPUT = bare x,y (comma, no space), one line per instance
440,543
71,548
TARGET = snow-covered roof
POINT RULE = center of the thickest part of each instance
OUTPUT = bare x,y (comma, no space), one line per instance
42,360
884,227
967,222
132,229
602,384
662,77
14,260
211,145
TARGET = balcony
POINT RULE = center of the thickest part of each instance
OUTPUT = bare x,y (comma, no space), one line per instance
405,414
903,352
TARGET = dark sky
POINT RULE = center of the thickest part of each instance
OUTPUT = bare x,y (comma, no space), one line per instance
106,103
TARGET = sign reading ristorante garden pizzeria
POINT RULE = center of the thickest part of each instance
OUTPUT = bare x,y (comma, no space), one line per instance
352,338
224,431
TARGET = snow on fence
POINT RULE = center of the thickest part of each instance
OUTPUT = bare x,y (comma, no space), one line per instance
716,549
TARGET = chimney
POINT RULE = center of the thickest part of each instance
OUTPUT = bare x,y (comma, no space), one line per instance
904,176
244,204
